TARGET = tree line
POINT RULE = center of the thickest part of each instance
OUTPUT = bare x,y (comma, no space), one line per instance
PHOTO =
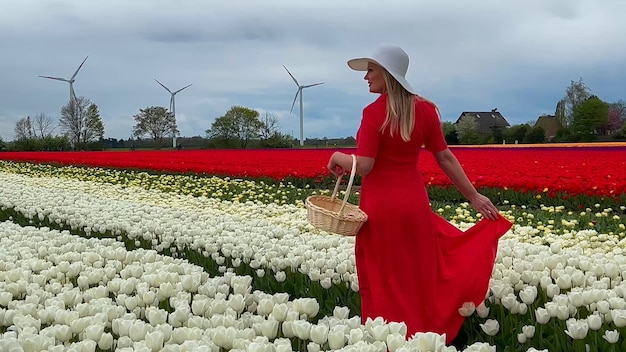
579,116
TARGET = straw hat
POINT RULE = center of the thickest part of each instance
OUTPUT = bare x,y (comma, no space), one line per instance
392,58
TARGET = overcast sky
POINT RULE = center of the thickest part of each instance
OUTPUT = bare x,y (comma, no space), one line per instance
517,56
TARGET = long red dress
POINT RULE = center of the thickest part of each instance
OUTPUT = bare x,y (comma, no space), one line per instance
414,266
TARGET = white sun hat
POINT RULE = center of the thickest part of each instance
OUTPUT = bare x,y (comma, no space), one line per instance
392,58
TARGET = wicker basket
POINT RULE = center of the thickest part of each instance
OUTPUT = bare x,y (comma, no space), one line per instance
334,215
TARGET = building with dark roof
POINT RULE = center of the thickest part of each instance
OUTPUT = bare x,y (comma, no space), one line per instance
488,122
550,125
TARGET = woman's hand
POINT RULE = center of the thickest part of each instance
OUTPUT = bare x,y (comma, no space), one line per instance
333,164
483,205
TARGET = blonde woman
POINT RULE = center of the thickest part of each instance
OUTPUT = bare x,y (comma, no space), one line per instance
413,266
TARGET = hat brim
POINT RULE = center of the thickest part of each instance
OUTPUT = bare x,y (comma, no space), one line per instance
360,64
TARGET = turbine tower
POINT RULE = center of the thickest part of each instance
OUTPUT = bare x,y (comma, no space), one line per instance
172,106
299,92
70,81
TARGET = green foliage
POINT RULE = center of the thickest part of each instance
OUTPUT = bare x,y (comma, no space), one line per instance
2,144
239,125
575,94
535,135
589,116
467,130
516,133
449,132
156,123
73,121
277,140
94,129
47,143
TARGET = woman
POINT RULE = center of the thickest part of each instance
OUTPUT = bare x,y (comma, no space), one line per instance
412,265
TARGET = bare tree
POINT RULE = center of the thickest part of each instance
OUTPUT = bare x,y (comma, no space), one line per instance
42,126
77,122
575,94
269,126
23,129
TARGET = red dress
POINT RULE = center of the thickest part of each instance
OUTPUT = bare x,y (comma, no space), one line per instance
414,266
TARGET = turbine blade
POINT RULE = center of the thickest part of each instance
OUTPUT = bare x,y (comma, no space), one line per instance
294,99
56,78
312,85
182,88
81,65
167,89
292,77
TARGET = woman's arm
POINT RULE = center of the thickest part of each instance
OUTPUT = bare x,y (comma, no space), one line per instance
341,162
451,166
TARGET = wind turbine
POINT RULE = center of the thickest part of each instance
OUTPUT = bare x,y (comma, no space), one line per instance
299,92
70,81
172,105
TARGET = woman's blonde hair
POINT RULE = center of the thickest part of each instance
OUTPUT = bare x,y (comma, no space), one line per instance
400,108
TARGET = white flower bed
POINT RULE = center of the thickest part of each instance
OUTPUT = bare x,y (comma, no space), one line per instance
540,286
59,292
269,236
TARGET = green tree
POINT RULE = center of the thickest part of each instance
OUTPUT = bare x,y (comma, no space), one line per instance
575,94
449,132
156,123
516,133
535,135
94,128
222,131
2,144
589,116
467,130
239,123
79,122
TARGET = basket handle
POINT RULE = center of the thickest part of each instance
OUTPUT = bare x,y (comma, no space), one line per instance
350,181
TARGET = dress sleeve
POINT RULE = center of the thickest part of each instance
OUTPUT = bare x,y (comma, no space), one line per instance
434,140
368,135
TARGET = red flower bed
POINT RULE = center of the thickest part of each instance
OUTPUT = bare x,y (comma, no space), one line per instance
590,170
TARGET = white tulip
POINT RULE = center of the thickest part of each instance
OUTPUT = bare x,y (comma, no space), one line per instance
528,295
287,329
319,333
577,329
336,337
106,341
237,303
480,347
467,309
124,342
355,336
395,341
94,332
490,327
618,317
302,329
427,341
137,331
611,336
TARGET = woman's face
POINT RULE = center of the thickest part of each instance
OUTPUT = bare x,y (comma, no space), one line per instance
375,79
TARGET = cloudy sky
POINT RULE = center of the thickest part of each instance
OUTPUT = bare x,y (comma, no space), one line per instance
517,56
